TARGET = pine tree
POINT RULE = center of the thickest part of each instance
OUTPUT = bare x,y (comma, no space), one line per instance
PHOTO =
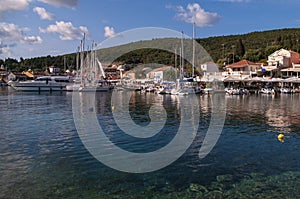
240,48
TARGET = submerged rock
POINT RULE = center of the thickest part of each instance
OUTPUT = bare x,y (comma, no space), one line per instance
224,178
214,194
198,188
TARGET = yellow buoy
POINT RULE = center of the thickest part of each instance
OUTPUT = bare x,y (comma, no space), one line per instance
280,136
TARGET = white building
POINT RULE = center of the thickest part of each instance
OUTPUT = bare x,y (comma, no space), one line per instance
53,69
243,68
209,67
163,73
282,59
11,77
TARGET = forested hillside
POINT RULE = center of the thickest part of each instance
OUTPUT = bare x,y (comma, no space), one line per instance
255,46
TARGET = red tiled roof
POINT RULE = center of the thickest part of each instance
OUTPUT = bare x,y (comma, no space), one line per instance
242,64
293,53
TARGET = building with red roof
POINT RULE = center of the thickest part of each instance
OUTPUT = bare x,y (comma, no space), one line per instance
283,59
243,66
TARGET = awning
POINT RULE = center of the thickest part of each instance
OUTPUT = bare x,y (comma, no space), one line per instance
292,80
232,79
28,74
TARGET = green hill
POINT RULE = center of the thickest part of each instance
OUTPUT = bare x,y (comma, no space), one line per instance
255,46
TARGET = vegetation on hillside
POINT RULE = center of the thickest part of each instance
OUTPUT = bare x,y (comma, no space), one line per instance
255,46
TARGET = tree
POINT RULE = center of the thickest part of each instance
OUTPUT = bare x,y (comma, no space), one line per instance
1,62
271,49
253,55
11,64
240,48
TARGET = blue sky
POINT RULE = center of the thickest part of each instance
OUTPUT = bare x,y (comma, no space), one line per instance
32,28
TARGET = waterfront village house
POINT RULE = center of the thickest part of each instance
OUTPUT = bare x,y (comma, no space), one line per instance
53,69
129,75
287,61
11,77
209,67
293,71
121,69
243,67
163,73
111,73
282,59
210,70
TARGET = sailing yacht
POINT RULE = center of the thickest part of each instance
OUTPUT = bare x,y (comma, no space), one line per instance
183,85
91,76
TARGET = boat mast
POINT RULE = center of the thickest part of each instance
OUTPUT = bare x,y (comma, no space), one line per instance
77,59
93,68
82,59
175,63
193,61
182,57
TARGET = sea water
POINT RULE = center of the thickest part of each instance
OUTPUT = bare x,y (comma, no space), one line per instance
42,155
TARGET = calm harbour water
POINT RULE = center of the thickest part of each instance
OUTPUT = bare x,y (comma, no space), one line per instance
42,155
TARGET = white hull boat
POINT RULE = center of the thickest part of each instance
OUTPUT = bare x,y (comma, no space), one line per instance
267,91
44,83
78,87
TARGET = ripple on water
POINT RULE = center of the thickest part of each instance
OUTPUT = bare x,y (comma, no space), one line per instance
43,157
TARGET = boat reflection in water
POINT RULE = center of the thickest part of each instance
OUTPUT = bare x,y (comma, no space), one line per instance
42,155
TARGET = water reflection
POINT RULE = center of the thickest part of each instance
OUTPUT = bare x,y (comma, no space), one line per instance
280,112
43,157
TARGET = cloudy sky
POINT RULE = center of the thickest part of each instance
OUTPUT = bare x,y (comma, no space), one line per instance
31,28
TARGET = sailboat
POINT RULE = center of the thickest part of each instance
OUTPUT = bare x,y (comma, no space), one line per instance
91,76
181,88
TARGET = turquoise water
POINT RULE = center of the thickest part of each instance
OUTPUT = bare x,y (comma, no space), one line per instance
42,155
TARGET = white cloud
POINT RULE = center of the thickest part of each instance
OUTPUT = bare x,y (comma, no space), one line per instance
195,14
43,13
11,32
66,30
32,40
59,3
11,35
13,5
109,32
4,49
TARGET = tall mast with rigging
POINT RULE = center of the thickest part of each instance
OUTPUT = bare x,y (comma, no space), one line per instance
182,57
193,59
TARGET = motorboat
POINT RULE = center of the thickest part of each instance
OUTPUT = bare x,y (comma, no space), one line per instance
132,87
267,91
44,83
165,90
236,91
287,91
